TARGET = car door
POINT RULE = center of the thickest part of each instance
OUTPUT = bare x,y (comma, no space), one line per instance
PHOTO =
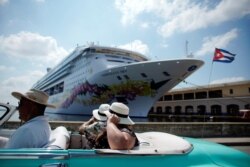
33,158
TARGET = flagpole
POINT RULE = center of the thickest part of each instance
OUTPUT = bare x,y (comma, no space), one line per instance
209,80
220,55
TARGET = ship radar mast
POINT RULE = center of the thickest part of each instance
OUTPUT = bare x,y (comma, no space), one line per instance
89,44
187,54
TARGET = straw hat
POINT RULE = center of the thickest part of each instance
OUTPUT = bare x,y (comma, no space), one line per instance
35,96
99,113
122,111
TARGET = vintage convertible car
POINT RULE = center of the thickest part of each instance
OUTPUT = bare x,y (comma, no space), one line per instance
155,149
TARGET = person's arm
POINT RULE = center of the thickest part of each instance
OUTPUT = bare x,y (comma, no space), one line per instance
117,139
86,124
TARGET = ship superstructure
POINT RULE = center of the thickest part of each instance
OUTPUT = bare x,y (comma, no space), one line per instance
93,75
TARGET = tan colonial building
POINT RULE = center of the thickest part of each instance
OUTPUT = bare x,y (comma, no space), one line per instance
217,99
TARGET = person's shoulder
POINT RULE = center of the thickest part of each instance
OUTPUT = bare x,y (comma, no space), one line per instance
27,130
24,127
22,132
41,118
36,124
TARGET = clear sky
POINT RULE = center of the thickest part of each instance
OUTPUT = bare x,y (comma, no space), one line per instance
36,34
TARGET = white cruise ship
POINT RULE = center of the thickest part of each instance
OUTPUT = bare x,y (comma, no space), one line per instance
93,75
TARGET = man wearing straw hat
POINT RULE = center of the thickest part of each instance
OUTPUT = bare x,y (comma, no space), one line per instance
35,131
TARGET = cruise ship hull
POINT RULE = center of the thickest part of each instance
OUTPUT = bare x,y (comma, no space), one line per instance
138,85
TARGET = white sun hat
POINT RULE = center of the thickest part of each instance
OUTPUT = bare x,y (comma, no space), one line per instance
122,111
99,113
34,95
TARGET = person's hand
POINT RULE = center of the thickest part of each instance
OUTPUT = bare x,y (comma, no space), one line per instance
112,118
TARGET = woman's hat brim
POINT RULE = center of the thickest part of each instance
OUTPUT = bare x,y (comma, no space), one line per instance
124,121
98,116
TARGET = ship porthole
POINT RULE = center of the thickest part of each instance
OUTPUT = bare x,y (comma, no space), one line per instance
192,68
166,73
144,75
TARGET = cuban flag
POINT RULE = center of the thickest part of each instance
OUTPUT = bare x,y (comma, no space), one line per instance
221,55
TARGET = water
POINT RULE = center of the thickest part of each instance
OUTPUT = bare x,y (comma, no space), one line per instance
65,117
155,118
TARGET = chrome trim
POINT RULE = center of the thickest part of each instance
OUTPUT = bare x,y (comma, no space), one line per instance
17,155
58,164
82,154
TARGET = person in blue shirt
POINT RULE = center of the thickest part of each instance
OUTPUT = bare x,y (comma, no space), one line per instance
35,130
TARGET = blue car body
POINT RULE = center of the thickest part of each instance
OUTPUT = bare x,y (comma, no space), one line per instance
204,154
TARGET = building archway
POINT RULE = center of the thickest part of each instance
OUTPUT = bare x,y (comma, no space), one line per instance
233,109
159,110
201,109
247,106
216,110
168,110
189,110
177,110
